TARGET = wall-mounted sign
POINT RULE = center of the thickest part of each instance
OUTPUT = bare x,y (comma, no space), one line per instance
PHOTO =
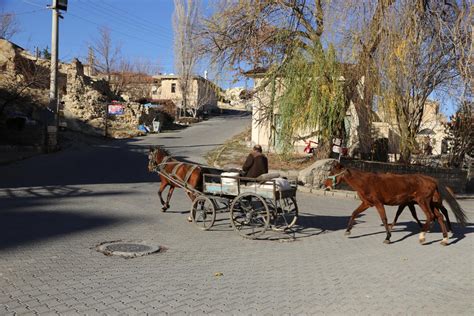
115,109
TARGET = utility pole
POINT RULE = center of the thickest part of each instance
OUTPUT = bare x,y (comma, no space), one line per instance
53,84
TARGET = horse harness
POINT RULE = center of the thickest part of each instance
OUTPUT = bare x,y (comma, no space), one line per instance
160,168
333,178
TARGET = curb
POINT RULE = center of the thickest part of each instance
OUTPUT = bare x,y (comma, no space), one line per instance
332,193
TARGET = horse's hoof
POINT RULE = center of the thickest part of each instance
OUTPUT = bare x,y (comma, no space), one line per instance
444,242
386,241
422,240
347,232
164,209
190,219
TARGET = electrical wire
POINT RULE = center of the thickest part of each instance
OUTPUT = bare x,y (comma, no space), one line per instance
137,18
21,13
33,4
116,31
101,12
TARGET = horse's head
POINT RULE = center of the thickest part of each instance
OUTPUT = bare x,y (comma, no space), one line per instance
156,156
336,175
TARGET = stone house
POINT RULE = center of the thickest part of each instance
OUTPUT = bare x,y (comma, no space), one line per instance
204,93
132,86
384,130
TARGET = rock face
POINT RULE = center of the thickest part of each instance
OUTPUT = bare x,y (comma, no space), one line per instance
85,105
85,101
314,175
24,87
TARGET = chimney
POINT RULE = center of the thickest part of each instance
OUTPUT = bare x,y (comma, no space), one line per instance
205,74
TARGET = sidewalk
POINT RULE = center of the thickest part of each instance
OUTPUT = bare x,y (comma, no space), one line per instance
332,193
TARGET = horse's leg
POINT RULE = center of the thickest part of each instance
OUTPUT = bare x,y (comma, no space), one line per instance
399,211
383,217
439,217
168,197
362,207
446,216
163,185
425,206
411,206
192,197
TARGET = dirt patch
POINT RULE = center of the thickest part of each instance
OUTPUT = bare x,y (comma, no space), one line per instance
232,154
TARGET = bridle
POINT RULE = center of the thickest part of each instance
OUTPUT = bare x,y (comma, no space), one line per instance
334,176
159,166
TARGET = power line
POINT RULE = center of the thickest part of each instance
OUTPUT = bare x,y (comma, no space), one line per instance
21,13
119,32
33,4
124,20
140,19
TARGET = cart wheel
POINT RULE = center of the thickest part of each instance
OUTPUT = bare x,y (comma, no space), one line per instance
203,212
287,214
249,215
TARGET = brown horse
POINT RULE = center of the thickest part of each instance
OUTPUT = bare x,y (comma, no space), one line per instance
394,189
328,184
160,160
411,207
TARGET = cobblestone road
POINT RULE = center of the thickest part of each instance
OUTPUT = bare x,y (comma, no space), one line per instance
49,265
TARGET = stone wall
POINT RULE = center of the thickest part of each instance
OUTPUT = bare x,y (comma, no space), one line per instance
313,176
454,178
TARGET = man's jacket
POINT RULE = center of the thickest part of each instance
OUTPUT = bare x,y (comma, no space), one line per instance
255,165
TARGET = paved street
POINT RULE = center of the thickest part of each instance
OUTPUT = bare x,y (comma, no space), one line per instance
54,210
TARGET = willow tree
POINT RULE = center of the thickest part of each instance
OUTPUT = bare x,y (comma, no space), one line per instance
313,100
283,37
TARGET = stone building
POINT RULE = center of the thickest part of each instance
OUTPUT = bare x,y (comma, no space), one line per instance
383,130
204,94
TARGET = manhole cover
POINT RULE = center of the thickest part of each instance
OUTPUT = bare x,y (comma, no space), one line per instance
128,249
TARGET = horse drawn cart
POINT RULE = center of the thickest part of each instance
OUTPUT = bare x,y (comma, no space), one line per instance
254,204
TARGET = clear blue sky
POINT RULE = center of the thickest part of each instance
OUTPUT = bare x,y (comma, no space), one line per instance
143,27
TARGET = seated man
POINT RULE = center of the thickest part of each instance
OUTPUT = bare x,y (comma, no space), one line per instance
256,163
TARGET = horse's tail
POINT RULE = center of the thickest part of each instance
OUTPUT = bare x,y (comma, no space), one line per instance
448,195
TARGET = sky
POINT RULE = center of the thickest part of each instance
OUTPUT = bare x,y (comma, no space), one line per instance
142,27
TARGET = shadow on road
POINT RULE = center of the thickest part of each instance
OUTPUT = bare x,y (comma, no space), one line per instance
413,229
119,161
25,218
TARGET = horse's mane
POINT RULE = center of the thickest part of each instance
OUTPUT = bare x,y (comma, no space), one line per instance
162,149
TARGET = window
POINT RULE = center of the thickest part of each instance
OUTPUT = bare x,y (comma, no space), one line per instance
173,88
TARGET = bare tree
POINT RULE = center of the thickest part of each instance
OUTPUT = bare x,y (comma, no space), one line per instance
185,19
416,59
9,25
133,78
107,53
460,132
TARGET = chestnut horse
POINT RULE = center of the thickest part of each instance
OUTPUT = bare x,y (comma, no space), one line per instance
411,206
394,189
160,160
